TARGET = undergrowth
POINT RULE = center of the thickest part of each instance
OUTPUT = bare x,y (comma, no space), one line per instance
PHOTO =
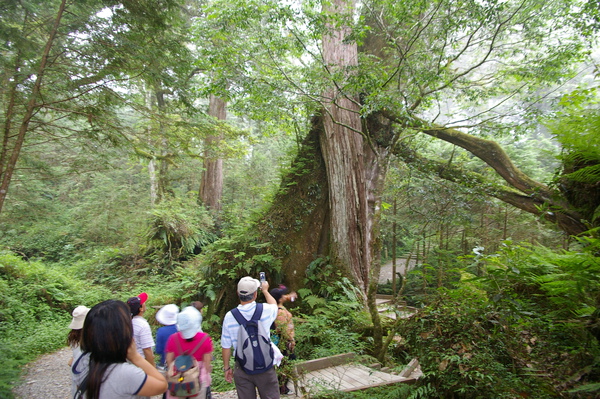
525,326
35,305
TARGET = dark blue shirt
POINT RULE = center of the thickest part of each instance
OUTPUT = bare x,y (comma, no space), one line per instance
162,335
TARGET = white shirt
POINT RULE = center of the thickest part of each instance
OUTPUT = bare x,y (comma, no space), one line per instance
231,327
142,334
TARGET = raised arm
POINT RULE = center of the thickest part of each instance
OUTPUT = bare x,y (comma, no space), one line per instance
265,290
156,383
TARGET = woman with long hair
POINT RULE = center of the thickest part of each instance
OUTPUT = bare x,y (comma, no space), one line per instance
102,371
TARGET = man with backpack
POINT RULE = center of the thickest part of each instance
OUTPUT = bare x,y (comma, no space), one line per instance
246,331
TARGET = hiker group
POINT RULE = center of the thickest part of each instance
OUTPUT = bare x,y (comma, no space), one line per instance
113,347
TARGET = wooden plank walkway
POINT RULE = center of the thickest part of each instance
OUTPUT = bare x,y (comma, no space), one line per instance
341,373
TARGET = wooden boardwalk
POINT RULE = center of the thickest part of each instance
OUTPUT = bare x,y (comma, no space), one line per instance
343,373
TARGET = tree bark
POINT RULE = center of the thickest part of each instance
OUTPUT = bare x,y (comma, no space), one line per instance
211,185
355,165
342,147
31,106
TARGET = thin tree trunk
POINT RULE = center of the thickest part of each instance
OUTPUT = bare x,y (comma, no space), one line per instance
164,185
153,182
394,243
211,186
505,224
9,114
152,175
31,106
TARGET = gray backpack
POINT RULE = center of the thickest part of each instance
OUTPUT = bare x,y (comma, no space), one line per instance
254,353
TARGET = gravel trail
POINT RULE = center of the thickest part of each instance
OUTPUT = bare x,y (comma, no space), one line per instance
49,377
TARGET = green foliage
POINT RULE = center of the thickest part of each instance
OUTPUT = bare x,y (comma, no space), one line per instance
467,348
52,242
330,332
566,283
335,319
179,226
36,301
575,125
387,392
527,325
327,283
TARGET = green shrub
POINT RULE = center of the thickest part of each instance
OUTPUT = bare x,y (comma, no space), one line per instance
36,301
177,227
469,348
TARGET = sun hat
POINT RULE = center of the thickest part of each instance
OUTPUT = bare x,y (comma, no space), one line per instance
167,315
247,285
79,314
189,321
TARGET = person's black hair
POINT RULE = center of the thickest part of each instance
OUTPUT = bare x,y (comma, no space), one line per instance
277,293
135,305
107,335
246,298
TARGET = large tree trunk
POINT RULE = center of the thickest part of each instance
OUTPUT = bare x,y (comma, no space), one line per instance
343,146
355,167
294,230
211,186
11,162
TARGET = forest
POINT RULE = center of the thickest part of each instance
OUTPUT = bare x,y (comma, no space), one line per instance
175,146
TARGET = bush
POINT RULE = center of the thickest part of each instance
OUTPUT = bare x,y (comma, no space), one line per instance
468,348
36,301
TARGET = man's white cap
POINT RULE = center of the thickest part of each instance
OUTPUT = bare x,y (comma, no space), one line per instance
248,285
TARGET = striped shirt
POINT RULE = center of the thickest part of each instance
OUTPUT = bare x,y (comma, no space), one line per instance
229,333
142,334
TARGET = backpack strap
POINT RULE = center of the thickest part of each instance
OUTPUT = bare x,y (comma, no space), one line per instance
235,312
81,388
258,312
181,351
238,316
199,344
178,342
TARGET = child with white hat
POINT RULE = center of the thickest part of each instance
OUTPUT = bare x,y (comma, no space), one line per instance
76,325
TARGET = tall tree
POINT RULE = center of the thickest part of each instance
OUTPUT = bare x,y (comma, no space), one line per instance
12,143
452,70
211,186
62,62
343,148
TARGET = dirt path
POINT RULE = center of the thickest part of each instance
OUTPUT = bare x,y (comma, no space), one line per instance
49,377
